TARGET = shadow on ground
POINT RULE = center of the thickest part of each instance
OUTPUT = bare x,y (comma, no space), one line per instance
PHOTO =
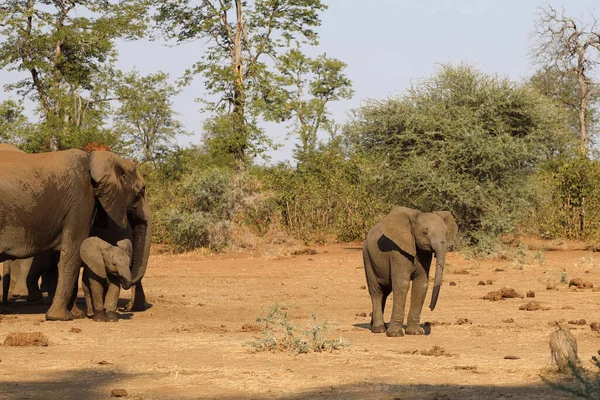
424,392
84,384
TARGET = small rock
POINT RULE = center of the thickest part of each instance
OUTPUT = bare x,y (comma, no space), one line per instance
362,314
595,326
118,393
511,357
489,282
498,270
481,283
452,283
75,330
104,362
568,308
588,285
363,287
582,322
509,320
530,293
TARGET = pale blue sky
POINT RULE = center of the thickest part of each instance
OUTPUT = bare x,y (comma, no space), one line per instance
387,44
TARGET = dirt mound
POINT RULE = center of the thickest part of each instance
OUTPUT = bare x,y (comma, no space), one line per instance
118,393
581,284
532,306
504,293
26,339
530,293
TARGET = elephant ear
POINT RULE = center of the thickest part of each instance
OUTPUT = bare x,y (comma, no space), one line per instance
450,224
126,246
116,184
397,226
92,254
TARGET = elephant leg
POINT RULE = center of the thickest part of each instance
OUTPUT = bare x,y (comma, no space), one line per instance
376,292
418,292
111,300
138,298
34,271
85,283
400,283
68,273
51,281
19,271
97,294
5,281
417,299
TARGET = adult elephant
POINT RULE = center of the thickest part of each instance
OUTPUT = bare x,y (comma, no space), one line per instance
400,249
48,202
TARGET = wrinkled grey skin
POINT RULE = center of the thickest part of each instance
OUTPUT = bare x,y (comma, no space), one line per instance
20,277
400,249
105,269
48,202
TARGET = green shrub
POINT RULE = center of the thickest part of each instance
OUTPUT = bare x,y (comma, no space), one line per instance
279,334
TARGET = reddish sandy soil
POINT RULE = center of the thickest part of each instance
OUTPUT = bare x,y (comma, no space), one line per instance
190,343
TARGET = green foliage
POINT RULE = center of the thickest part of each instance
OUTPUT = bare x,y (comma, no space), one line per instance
279,334
242,39
67,50
146,119
303,87
329,196
194,211
567,201
587,383
14,125
465,142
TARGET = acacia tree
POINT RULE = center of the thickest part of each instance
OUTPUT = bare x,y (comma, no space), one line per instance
242,36
569,49
146,118
67,48
306,86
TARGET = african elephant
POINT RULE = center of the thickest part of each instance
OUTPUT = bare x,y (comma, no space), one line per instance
400,249
24,276
105,268
48,202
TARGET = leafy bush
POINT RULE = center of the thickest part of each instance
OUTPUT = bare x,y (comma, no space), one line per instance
465,142
194,211
279,334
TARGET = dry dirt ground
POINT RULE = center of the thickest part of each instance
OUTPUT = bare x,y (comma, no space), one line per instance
190,343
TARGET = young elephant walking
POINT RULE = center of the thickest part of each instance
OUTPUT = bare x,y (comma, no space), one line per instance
400,249
106,268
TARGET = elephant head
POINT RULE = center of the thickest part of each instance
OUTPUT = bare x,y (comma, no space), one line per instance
121,191
102,258
413,230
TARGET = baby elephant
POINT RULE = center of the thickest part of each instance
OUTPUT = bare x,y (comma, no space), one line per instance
106,268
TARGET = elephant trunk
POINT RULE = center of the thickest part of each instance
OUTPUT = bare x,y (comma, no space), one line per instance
142,238
440,260
125,275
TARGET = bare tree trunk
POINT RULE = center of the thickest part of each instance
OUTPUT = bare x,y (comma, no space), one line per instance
239,124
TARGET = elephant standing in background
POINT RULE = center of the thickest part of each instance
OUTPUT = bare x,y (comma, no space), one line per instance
400,249
25,274
48,202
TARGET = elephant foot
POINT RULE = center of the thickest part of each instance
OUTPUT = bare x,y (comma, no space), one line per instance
378,329
60,314
414,330
112,316
99,316
77,312
34,297
394,332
